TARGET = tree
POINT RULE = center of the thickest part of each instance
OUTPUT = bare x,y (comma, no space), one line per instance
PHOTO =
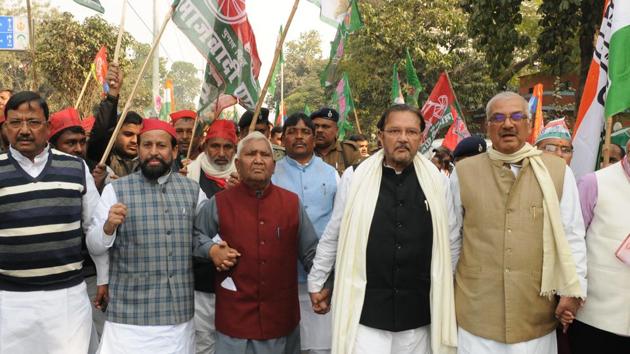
186,85
435,33
563,42
303,64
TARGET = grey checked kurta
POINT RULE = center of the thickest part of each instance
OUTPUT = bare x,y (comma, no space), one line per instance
151,276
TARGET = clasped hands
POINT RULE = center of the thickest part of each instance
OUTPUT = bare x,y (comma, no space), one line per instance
566,310
321,301
223,256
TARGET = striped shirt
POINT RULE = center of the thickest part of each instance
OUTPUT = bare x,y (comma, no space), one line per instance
40,222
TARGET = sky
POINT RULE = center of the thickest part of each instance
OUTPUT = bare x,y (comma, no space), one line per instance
265,17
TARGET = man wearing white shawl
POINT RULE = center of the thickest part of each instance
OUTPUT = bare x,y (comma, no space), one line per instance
214,170
522,240
393,289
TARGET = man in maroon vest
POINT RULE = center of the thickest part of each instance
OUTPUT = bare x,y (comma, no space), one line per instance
267,231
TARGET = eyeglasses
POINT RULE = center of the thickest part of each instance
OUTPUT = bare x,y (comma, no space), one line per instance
500,117
554,148
30,123
411,133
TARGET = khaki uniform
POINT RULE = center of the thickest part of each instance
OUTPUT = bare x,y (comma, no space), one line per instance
498,276
278,152
345,154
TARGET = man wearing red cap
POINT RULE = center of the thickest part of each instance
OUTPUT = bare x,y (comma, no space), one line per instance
184,123
145,222
213,170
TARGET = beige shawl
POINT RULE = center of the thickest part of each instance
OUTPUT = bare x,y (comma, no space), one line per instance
350,274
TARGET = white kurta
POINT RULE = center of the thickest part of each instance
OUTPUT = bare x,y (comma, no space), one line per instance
121,338
574,229
51,321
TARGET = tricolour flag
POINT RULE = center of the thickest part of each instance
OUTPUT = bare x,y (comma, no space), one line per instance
458,130
220,30
342,102
413,86
535,110
92,4
332,12
396,95
168,101
281,114
436,111
606,88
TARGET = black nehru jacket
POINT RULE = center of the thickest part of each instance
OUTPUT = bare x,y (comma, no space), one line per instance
399,256
203,268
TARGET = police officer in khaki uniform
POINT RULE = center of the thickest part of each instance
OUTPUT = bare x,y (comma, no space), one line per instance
338,154
262,126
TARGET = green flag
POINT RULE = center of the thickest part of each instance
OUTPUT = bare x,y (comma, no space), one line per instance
342,102
413,86
307,110
396,95
272,86
327,76
353,20
92,4
223,35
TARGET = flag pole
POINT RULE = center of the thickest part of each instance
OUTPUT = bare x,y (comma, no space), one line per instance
121,31
279,45
119,124
354,110
216,106
87,80
609,123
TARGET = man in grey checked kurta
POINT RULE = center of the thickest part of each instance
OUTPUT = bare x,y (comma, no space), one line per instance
145,221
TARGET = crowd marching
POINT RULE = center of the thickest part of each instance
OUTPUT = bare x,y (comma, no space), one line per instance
288,240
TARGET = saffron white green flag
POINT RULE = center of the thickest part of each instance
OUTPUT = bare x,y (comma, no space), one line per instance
607,87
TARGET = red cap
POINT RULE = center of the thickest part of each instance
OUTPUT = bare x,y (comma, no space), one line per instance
88,123
61,120
149,124
175,116
222,128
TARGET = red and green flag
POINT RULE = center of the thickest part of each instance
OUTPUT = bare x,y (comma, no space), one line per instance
437,111
221,32
458,130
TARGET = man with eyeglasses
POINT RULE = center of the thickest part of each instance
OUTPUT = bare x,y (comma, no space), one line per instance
521,240
391,221
555,139
46,199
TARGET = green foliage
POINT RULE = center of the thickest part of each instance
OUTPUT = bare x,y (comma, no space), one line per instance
303,64
185,84
434,32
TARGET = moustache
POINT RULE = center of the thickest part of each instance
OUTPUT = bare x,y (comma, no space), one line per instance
507,133
25,138
402,146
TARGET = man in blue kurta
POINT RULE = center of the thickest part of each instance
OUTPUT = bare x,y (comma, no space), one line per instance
315,183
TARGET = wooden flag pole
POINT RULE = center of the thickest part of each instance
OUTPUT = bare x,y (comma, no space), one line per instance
609,124
87,80
135,87
356,118
121,31
216,105
276,56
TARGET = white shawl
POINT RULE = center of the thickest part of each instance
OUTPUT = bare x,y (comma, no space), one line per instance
202,163
350,274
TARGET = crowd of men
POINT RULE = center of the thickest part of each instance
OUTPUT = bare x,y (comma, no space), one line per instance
288,240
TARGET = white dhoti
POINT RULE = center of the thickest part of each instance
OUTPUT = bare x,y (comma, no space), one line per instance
51,322
121,338
315,330
205,332
377,341
469,343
